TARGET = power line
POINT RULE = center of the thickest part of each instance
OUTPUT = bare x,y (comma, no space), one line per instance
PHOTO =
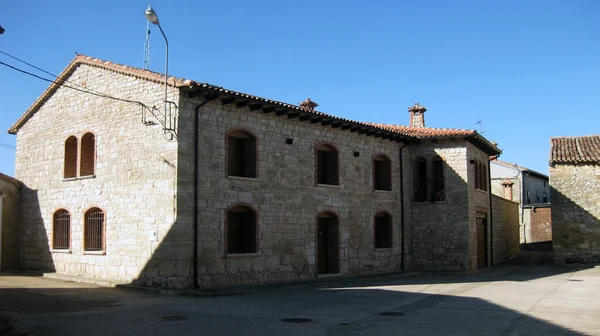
70,87
7,146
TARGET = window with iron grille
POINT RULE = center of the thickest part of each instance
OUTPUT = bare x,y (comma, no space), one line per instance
383,230
382,173
241,154
438,192
420,180
88,155
93,230
70,164
241,230
61,230
327,165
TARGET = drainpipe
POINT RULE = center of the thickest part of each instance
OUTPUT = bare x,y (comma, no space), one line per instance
489,174
196,183
402,266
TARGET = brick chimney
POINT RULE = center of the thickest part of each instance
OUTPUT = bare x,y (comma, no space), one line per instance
508,189
417,115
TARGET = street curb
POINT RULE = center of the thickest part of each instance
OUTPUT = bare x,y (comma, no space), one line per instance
239,290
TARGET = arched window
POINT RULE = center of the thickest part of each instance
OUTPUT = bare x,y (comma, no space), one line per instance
241,154
70,164
420,180
383,230
438,192
241,230
382,173
61,230
88,155
93,230
327,165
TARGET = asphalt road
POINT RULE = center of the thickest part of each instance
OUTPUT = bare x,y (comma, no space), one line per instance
506,300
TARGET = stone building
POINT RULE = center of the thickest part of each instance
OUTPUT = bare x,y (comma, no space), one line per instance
217,188
10,192
531,190
575,181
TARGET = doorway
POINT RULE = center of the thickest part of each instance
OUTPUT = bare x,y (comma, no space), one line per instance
481,240
327,244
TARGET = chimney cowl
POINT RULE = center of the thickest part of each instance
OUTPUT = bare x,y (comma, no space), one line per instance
417,117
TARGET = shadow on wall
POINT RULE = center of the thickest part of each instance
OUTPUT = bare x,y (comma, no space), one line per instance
36,254
437,228
575,231
365,306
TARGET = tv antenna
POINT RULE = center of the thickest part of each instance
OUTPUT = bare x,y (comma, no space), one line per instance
147,47
480,124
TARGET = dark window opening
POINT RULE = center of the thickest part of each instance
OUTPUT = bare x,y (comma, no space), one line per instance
420,180
61,230
481,176
241,154
70,166
327,165
93,230
382,173
545,198
241,230
383,230
438,180
88,155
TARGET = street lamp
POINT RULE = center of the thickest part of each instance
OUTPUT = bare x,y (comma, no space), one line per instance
153,18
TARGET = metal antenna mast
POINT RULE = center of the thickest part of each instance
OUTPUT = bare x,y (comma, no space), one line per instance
147,47
480,123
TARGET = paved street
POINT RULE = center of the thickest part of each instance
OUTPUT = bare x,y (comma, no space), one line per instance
507,300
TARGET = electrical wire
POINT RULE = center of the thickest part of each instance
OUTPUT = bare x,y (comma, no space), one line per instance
70,87
7,146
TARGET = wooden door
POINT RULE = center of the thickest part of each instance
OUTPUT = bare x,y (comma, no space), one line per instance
327,244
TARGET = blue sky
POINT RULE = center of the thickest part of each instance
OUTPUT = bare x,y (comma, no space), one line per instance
529,70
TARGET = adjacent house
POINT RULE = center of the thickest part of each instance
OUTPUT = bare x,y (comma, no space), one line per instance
531,190
211,187
10,192
575,181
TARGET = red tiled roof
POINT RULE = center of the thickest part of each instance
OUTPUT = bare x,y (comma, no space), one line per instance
186,83
426,132
582,149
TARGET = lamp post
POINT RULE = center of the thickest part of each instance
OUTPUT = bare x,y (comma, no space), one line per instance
153,18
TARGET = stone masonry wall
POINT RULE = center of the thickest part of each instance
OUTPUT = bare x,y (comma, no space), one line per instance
575,213
479,202
285,196
506,229
134,180
439,236
10,196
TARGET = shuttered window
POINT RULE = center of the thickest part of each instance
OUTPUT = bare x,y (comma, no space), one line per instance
88,155
70,164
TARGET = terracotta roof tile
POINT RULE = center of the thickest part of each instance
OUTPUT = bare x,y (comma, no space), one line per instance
426,132
581,149
409,132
